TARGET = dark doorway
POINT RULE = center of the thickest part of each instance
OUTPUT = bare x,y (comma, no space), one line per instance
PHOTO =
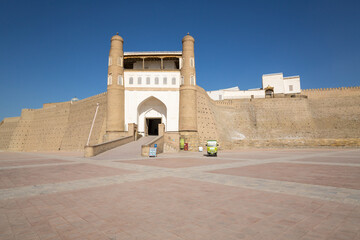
152,126
269,93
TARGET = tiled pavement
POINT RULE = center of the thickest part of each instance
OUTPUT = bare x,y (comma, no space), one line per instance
248,194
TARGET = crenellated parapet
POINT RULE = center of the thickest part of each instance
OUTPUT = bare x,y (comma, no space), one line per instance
330,89
331,92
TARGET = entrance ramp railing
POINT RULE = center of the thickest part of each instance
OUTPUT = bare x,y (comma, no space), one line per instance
94,150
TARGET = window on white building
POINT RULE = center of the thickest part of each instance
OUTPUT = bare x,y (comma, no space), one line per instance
173,81
120,80
165,80
148,80
110,61
131,80
109,80
157,81
139,80
290,88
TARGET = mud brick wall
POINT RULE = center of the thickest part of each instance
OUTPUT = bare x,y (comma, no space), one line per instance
47,127
335,112
336,117
207,123
80,120
21,132
7,128
56,126
322,118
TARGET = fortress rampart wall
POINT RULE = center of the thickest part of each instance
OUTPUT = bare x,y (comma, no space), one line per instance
326,117
80,120
7,128
47,127
20,134
57,126
207,123
336,117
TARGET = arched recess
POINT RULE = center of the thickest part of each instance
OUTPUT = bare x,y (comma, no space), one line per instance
269,92
150,108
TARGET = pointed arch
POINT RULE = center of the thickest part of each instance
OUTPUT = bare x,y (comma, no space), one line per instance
150,108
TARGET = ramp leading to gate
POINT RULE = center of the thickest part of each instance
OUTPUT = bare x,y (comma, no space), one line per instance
127,151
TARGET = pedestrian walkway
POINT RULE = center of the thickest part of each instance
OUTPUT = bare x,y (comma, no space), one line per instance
248,194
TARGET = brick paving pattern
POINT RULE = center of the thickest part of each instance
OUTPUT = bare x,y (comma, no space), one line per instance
336,176
51,174
333,159
11,163
177,162
249,194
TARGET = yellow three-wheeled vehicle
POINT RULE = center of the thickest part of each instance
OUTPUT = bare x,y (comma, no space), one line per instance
212,147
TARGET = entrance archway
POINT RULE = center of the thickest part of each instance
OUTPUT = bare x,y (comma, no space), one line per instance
151,112
269,92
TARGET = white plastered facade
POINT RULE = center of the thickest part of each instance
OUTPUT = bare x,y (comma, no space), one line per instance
236,93
292,84
281,84
276,81
156,95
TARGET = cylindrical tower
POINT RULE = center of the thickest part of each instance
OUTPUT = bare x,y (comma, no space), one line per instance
115,89
188,103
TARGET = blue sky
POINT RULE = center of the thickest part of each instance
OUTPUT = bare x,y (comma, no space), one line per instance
51,51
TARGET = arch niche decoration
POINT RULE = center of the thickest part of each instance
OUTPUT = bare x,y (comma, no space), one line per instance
151,112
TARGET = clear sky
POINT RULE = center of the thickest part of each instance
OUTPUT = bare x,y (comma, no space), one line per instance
52,51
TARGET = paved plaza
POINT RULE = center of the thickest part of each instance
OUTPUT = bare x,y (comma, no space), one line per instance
278,194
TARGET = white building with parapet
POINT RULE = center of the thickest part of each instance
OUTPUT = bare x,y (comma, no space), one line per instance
152,83
149,89
273,85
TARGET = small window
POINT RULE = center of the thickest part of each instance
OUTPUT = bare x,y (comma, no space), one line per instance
157,81
165,80
120,61
139,80
148,80
290,87
131,80
120,80
110,61
173,81
192,80
109,80
192,64
182,80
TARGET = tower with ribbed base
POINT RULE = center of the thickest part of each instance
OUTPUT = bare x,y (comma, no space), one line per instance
115,121
188,100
